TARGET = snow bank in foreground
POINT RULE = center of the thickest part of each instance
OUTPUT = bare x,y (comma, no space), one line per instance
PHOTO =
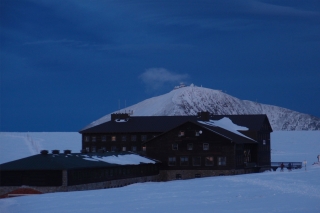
294,192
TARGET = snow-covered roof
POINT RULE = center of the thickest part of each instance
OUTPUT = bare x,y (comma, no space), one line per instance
227,124
76,161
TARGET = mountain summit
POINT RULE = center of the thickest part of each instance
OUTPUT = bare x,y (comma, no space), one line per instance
191,99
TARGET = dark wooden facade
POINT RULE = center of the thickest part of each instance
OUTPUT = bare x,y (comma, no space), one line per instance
185,148
115,141
169,140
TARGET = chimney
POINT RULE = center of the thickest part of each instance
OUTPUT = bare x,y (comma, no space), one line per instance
44,152
67,151
55,151
204,116
120,117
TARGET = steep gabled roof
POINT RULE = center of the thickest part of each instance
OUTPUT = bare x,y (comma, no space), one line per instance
164,123
234,137
75,161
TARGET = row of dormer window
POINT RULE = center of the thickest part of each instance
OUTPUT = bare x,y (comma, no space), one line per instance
105,138
196,161
114,149
205,146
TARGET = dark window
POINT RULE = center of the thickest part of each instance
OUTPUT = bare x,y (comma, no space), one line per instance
190,146
264,142
87,149
222,161
113,148
197,175
104,138
172,161
205,146
196,161
175,146
209,161
178,176
133,137
87,138
134,148
94,139
184,161
93,149
143,137
113,138
123,138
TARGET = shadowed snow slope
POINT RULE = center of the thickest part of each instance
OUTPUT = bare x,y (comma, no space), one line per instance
191,100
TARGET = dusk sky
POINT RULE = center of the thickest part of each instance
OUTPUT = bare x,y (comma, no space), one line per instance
66,63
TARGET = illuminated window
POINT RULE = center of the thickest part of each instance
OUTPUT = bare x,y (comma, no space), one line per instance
181,133
209,161
124,148
113,138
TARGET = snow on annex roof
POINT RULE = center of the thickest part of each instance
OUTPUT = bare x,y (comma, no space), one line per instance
76,161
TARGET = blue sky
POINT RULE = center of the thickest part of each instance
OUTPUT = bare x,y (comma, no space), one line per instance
66,63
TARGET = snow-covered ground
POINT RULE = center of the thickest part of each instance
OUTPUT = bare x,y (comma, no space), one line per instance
295,191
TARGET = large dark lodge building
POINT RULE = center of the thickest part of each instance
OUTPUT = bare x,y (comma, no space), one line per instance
179,147
188,146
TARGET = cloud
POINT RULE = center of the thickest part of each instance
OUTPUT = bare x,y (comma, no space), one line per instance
156,78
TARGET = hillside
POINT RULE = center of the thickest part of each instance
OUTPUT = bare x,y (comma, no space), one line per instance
190,100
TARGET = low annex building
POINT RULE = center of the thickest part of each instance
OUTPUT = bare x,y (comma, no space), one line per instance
76,171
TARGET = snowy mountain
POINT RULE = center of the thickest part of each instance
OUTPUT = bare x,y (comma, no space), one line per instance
190,100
